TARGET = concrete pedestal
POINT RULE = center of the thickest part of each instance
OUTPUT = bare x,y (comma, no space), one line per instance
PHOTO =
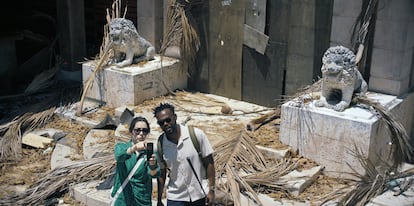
329,137
133,84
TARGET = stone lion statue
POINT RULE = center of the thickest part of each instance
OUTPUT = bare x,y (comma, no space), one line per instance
129,47
340,79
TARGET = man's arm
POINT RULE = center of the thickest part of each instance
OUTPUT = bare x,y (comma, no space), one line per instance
160,184
211,175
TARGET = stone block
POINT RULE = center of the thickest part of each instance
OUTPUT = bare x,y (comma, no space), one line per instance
347,8
133,84
391,35
98,142
389,64
61,155
297,182
329,137
400,10
388,86
87,193
342,30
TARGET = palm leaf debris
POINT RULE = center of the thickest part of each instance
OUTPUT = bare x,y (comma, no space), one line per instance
375,181
60,178
11,141
241,167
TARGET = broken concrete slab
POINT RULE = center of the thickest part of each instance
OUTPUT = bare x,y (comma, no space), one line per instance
87,193
98,142
297,182
274,153
61,156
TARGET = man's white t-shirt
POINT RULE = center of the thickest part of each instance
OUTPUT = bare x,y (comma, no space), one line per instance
183,184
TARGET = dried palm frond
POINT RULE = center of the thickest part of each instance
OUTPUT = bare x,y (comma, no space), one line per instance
11,141
235,156
374,182
59,179
182,32
270,177
401,149
197,99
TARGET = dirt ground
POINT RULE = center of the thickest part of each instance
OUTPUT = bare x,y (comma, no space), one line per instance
17,176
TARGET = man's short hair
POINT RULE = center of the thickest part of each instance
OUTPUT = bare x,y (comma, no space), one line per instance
163,106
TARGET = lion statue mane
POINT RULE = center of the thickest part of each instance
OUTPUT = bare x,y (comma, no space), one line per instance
128,46
340,79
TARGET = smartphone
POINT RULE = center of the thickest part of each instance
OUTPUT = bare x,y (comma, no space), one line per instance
150,150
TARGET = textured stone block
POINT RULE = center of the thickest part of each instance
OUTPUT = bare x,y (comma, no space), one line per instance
342,30
388,86
133,84
329,137
347,8
391,35
400,10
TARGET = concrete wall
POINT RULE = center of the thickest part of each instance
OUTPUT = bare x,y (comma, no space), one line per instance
392,58
309,32
344,16
150,21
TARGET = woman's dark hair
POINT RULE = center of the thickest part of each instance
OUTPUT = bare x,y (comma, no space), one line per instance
138,119
163,106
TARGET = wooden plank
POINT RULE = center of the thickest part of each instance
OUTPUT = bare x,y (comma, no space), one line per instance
226,24
256,14
35,140
255,39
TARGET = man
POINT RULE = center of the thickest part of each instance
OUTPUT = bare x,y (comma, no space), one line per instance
179,156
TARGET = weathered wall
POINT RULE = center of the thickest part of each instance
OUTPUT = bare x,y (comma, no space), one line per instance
392,58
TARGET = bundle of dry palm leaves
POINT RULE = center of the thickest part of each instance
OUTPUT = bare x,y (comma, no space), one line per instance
181,31
11,139
374,182
60,178
241,167
401,149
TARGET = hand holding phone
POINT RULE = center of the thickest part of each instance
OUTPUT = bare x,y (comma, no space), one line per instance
150,150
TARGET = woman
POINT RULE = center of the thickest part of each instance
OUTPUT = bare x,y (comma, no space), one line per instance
138,190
